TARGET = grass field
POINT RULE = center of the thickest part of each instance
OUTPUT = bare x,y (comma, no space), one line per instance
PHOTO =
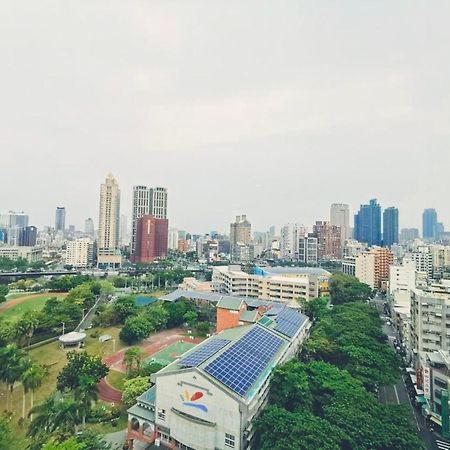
170,353
35,303
18,295
54,357
116,379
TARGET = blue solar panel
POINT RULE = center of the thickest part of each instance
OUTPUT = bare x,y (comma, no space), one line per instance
239,366
204,352
289,322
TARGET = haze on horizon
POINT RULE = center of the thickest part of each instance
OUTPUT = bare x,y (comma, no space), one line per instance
274,110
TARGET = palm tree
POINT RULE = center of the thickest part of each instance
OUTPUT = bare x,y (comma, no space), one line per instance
85,394
14,364
54,414
32,380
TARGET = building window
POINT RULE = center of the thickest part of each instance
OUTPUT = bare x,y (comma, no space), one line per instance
161,414
229,440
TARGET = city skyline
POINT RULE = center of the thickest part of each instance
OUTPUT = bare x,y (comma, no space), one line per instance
185,107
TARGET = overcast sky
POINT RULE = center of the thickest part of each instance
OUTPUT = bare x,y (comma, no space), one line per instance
275,109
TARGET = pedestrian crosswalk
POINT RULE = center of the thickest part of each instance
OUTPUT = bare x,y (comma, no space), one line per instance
442,445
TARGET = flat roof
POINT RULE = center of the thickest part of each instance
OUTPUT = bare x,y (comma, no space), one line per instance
72,338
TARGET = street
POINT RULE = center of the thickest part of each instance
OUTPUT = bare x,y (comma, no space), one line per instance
398,393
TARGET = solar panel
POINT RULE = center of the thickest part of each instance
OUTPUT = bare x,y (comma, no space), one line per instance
289,322
204,352
239,366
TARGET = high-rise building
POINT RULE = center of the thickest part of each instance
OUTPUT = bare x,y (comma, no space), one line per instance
13,222
390,226
108,253
368,224
408,235
340,217
173,239
151,239
124,230
307,249
429,224
27,236
60,218
289,238
328,240
147,201
89,227
372,267
80,253
241,231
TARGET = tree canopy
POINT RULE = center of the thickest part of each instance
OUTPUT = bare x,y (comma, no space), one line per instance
345,288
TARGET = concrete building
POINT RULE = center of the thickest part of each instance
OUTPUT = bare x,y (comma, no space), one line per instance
349,265
151,239
353,248
441,256
372,267
27,236
430,320
60,218
242,253
89,227
340,217
308,249
173,239
328,241
423,259
108,253
278,284
241,239
210,397
147,201
13,222
408,235
289,239
402,277
80,253
31,254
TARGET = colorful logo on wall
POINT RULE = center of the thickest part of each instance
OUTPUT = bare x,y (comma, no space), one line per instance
192,400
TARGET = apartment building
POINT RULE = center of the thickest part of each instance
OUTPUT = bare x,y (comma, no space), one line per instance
80,253
372,267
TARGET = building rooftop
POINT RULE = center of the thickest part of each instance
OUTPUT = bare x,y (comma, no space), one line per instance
228,302
281,270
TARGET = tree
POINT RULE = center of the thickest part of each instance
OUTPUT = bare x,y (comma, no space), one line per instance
26,326
123,308
134,388
190,317
3,292
14,364
87,440
202,328
132,358
315,307
31,380
69,444
135,329
176,311
85,394
150,368
6,438
80,364
346,288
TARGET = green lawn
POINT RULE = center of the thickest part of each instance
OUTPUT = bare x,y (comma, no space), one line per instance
33,304
116,379
18,294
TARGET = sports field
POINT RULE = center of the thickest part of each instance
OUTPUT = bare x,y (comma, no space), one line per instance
170,353
20,305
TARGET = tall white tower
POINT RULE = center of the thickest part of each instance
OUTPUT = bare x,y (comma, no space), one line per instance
340,216
108,253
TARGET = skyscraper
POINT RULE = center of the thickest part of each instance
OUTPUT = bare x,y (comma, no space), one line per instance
60,218
368,223
328,240
429,224
241,231
147,201
13,222
27,236
151,239
108,253
390,226
340,217
89,227
289,239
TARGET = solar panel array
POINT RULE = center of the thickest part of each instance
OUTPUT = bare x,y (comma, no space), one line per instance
289,322
239,366
204,352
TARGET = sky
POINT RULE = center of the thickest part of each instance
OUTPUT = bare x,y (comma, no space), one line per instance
266,108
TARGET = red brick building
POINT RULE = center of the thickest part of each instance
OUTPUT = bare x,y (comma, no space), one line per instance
151,239
328,240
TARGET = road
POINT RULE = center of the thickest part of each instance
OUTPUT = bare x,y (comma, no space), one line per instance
398,394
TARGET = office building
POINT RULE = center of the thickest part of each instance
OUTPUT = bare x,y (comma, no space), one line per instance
423,259
31,254
173,239
289,238
151,239
308,249
147,201
108,253
60,218
429,224
89,227
124,238
211,396
80,253
27,236
328,241
13,222
340,217
390,226
368,224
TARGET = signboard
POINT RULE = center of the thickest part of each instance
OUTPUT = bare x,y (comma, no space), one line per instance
427,382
